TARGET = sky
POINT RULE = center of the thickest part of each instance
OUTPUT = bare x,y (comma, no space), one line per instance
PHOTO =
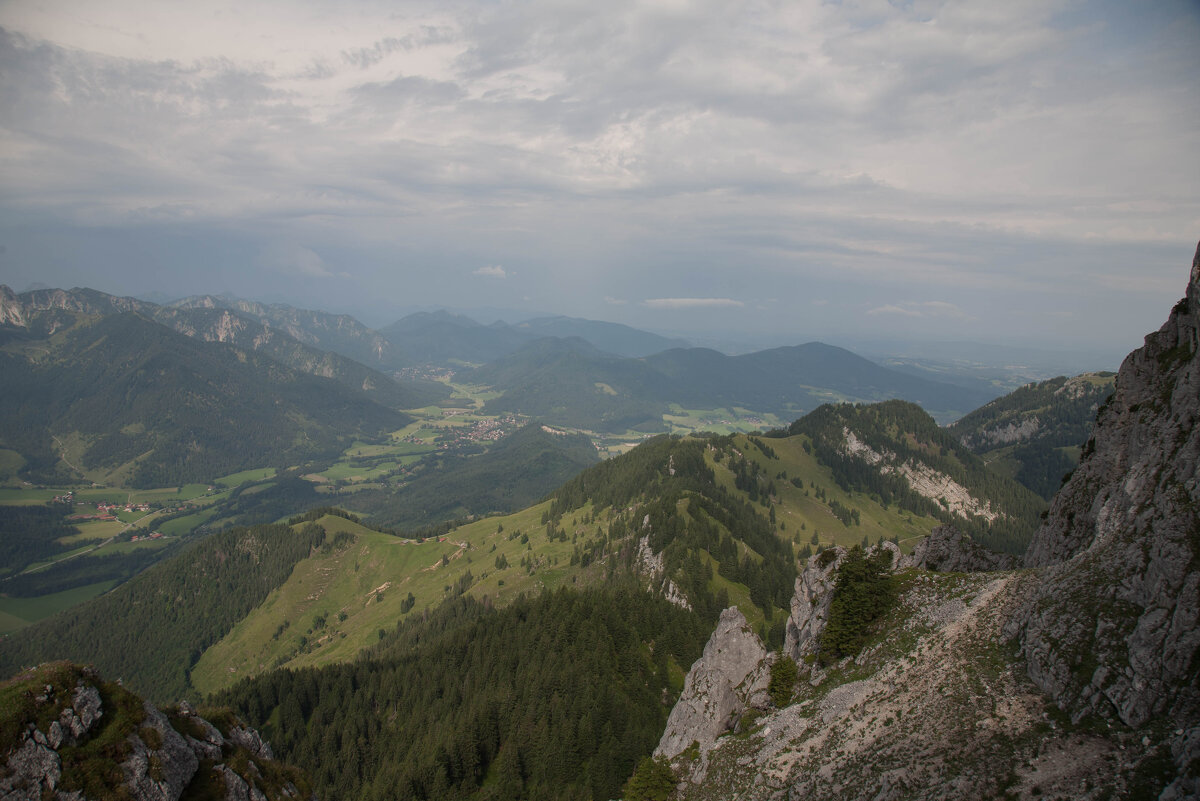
1021,172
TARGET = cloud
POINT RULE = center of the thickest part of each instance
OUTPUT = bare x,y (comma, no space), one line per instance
615,301
930,309
296,260
892,309
491,271
855,152
691,303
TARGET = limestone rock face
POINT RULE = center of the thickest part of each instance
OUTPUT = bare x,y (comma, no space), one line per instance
159,773
33,770
651,565
1115,627
810,604
727,679
155,760
252,741
948,550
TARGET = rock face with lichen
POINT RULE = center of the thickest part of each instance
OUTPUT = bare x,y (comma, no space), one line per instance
810,603
948,550
1114,630
729,678
68,736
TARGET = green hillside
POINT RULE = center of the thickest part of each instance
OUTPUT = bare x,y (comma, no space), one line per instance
122,399
517,471
444,656
569,382
151,630
1035,433
896,453
727,516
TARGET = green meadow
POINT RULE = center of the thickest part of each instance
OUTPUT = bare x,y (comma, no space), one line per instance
17,613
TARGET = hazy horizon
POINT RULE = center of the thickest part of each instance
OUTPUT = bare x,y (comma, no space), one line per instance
1016,174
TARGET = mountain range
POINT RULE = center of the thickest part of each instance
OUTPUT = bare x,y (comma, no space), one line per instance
855,575
570,382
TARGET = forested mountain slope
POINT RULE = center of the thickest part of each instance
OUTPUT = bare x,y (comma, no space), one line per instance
282,333
516,472
569,382
150,631
1035,433
897,453
125,395
552,697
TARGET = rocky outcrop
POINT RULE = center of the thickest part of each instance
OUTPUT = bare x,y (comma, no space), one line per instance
651,565
948,550
12,311
1139,470
923,479
729,678
813,596
162,763
1116,627
148,755
936,706
810,603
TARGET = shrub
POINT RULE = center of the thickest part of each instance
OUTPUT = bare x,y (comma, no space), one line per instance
653,780
783,681
864,591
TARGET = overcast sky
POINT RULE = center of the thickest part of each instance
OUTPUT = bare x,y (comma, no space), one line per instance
997,171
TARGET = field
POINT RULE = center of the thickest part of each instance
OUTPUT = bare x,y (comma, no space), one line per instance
129,547
245,477
10,463
94,530
184,525
719,421
16,613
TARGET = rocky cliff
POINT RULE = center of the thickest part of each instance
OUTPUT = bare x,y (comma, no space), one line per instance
67,735
810,603
948,550
1114,629
728,679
